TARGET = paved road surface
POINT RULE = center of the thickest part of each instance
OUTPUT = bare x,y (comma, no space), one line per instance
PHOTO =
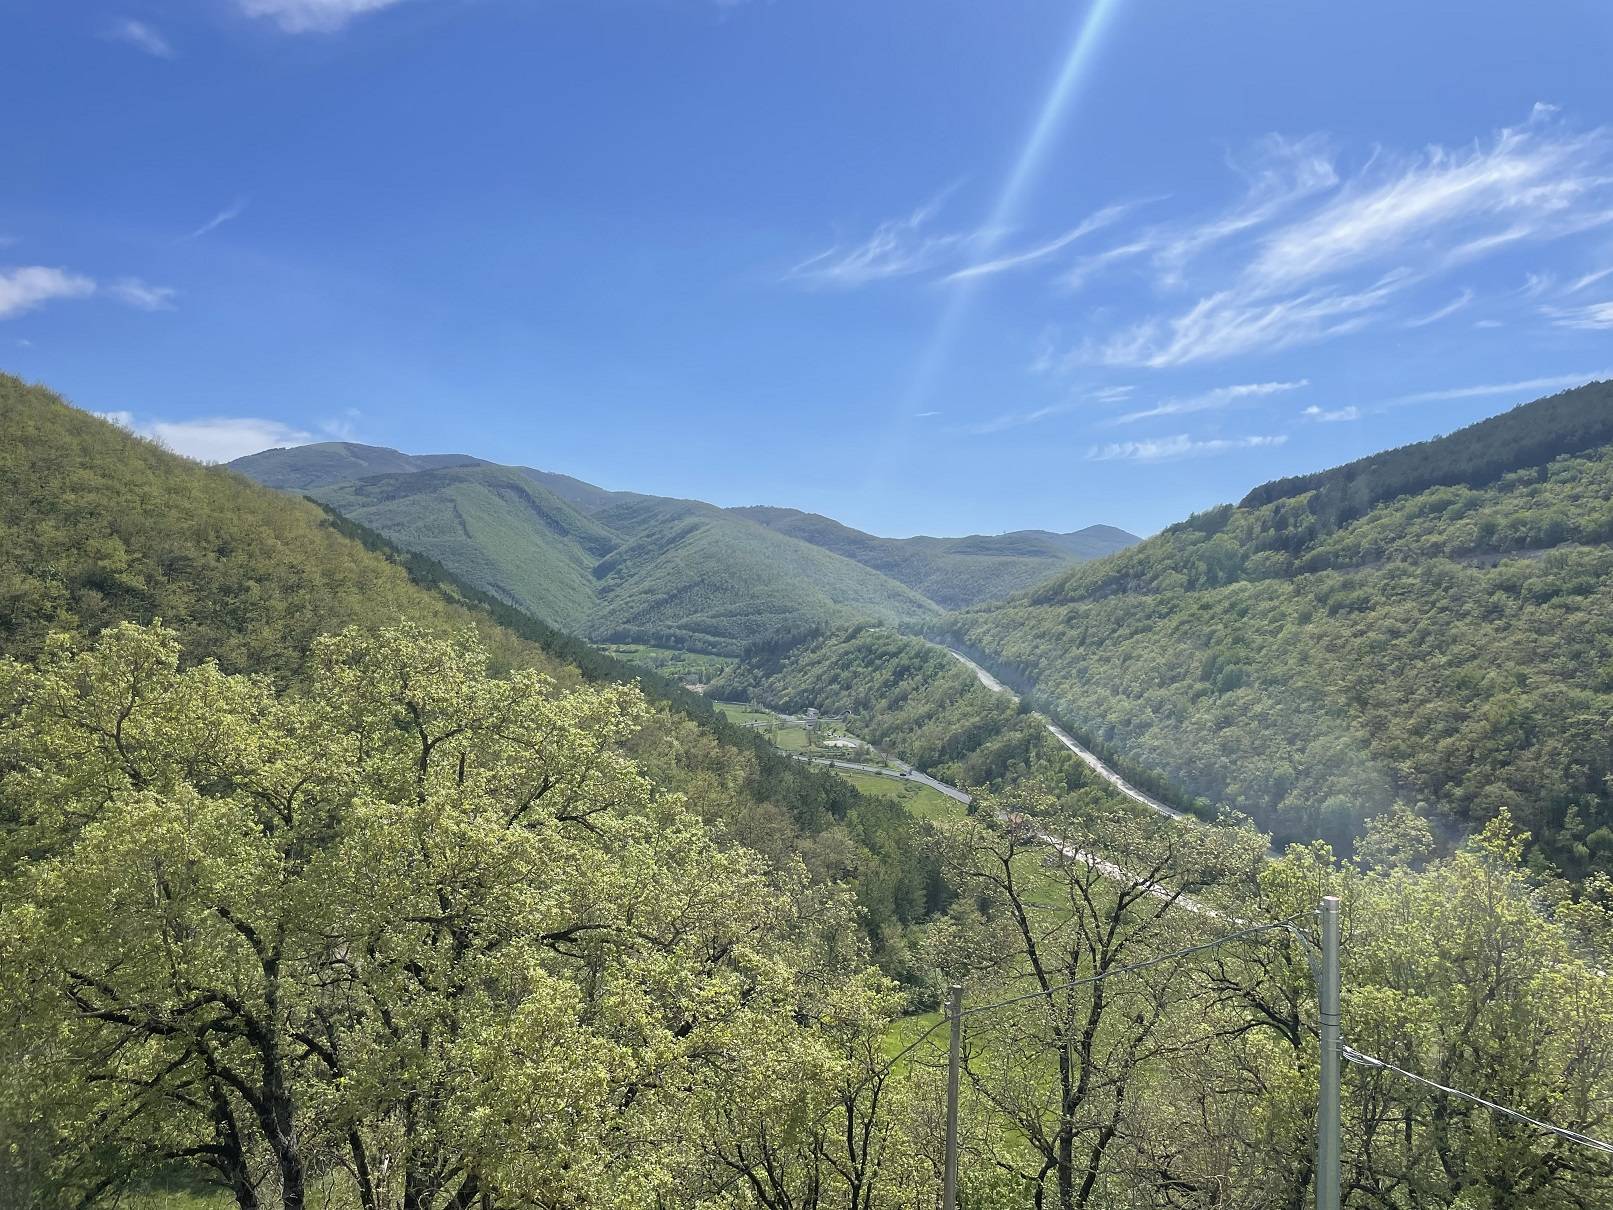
1090,759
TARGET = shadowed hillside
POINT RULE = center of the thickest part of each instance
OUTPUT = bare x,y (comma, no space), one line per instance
1432,625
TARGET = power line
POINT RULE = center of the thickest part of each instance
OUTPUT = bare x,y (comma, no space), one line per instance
889,1065
886,1067
1574,1136
1133,967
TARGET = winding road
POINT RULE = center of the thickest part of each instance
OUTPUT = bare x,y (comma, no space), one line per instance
1089,758
897,772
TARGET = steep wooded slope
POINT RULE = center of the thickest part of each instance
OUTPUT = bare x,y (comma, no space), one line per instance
492,526
1433,625
98,526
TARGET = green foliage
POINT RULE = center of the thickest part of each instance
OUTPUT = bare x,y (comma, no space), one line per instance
757,795
694,576
97,527
1450,648
420,931
490,525
1530,435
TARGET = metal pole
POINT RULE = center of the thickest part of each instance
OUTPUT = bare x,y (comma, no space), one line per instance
949,1187
1327,1109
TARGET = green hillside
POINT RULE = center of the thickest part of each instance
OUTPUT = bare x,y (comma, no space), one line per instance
1432,626
715,582
98,527
906,696
952,572
242,738
491,525
614,566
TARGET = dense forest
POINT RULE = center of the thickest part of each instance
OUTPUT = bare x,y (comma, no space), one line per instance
1387,632
392,897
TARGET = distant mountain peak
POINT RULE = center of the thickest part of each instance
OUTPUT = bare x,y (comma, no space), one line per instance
301,467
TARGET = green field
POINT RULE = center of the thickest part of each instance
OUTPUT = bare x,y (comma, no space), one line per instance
788,736
746,716
687,667
923,801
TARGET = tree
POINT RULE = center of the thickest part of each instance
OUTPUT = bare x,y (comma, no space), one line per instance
1066,1061
416,933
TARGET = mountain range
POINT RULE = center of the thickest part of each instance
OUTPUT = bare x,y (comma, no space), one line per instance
621,566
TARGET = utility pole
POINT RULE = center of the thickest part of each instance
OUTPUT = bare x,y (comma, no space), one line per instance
949,1187
1327,1109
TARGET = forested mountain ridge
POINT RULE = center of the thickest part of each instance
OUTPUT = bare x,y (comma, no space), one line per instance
301,467
952,572
1373,634
628,567
645,569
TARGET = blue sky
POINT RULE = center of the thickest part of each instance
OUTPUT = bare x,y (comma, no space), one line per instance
922,265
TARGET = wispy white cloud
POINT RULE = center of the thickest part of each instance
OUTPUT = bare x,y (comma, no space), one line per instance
23,289
1326,416
212,438
1088,267
1095,222
1312,253
1211,400
1590,279
1230,322
29,286
227,215
311,16
1281,173
1168,449
1593,317
1528,386
924,415
343,427
897,248
1014,420
143,295
140,36
1530,182
1445,312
